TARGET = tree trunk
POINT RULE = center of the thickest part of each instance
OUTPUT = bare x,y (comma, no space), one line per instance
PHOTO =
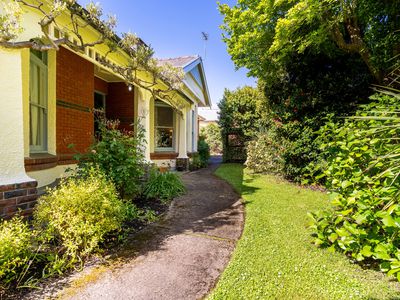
356,45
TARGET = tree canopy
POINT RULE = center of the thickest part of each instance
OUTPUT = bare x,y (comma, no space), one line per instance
263,35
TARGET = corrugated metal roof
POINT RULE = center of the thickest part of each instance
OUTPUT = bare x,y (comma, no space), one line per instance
180,62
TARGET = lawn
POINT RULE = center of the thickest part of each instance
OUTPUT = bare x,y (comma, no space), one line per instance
275,258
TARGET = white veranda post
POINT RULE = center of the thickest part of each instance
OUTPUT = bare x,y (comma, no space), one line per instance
183,135
143,115
12,169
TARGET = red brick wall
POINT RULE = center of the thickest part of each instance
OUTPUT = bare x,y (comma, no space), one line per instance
120,104
75,86
100,85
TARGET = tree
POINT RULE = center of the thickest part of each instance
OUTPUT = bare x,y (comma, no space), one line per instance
212,136
239,120
141,69
263,35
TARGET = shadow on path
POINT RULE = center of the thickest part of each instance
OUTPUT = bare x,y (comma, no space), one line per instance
182,256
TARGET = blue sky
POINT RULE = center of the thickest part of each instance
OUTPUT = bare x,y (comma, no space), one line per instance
173,28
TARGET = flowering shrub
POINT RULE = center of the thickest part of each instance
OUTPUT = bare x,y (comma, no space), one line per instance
264,155
117,154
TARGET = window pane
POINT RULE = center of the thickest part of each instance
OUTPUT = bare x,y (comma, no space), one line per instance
38,86
35,125
165,116
98,101
164,137
42,55
38,103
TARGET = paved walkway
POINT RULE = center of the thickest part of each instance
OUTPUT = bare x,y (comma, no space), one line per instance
183,256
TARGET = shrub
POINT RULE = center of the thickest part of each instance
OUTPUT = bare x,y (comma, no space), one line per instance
239,117
119,155
163,186
195,162
212,135
15,251
301,147
204,152
363,177
264,155
79,213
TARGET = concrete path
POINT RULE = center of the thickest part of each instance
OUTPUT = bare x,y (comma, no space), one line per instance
183,256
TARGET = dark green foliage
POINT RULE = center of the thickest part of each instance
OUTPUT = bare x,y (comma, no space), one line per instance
299,101
200,159
204,152
119,155
239,120
164,186
363,176
312,86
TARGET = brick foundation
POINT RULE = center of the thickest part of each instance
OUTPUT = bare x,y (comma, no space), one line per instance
182,164
17,197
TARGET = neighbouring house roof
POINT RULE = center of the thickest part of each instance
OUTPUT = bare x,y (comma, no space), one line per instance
195,79
179,62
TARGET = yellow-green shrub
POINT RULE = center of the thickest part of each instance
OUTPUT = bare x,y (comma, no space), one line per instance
15,250
79,213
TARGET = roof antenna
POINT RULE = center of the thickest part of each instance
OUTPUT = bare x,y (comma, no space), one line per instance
204,37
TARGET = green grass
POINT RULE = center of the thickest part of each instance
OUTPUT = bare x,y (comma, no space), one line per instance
275,258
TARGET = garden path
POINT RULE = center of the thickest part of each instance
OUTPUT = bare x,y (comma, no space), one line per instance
182,256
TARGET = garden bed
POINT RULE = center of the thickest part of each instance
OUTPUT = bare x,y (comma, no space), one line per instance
110,251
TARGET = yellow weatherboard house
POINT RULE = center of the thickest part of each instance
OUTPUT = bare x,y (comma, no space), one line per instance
50,89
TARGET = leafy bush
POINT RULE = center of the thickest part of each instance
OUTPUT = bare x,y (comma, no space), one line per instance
239,116
363,176
212,135
204,152
79,213
16,251
164,186
195,162
264,154
301,147
119,155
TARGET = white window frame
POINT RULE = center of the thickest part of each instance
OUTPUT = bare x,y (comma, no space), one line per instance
34,60
159,103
